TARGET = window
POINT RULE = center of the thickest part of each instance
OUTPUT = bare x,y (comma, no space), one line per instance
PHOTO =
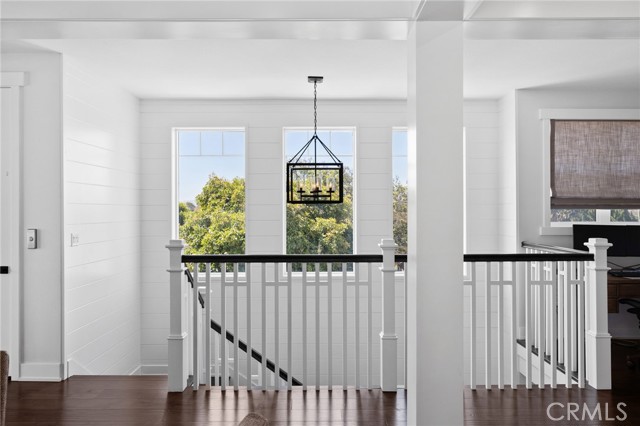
594,168
400,171
322,228
211,190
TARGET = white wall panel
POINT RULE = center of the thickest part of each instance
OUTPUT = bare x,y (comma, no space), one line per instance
102,207
263,122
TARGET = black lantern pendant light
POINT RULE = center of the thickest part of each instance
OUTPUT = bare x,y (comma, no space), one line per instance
313,182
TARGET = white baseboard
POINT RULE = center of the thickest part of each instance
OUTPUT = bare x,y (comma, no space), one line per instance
40,372
154,370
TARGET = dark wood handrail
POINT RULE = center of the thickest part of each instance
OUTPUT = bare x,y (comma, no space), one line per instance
555,249
528,257
287,258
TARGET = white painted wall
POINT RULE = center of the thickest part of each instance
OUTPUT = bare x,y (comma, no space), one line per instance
482,143
264,122
507,213
42,192
102,207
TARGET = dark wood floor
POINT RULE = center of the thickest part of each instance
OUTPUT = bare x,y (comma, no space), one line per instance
141,401
525,407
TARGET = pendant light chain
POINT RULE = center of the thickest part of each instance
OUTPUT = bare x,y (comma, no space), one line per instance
315,107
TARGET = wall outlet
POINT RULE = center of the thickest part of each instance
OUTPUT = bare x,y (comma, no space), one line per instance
75,240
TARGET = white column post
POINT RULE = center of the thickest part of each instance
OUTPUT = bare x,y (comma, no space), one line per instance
388,336
598,339
177,340
435,255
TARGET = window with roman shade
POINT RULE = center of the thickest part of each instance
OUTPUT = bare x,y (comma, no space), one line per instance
595,164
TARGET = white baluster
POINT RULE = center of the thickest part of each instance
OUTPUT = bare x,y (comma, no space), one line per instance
514,331
276,327
370,329
344,326
304,327
330,325
487,324
247,268
207,325
501,325
263,281
554,326
473,326
356,267
236,360
528,326
224,368
195,311
317,297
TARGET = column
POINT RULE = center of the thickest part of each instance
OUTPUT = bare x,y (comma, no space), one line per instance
435,293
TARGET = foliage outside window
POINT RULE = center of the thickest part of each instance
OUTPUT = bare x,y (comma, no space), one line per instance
400,187
321,228
211,191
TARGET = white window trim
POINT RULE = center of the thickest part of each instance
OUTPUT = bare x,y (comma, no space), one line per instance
546,115
175,172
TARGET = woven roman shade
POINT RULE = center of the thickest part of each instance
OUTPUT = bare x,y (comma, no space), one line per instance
595,164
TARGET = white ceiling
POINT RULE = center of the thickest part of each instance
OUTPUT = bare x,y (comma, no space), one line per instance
362,56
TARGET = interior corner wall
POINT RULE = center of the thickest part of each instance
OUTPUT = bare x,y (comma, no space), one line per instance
481,124
507,213
102,210
530,150
264,122
42,209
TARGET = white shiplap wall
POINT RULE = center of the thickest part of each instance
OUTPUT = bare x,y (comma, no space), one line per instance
485,183
482,129
264,122
102,207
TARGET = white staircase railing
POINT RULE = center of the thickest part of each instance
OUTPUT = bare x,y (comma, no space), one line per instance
277,321
541,315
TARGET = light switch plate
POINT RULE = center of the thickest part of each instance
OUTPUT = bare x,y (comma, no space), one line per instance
32,238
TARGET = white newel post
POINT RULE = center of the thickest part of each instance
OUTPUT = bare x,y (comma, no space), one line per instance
177,340
388,336
598,339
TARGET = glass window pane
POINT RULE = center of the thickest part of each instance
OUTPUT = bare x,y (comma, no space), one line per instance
211,143
189,142
342,143
234,143
625,215
321,228
400,143
211,192
573,215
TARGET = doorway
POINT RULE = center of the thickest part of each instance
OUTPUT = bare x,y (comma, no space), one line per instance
11,218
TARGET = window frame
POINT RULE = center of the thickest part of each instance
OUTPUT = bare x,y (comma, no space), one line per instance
175,171
546,115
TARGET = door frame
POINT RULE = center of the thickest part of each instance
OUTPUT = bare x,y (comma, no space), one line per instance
13,82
